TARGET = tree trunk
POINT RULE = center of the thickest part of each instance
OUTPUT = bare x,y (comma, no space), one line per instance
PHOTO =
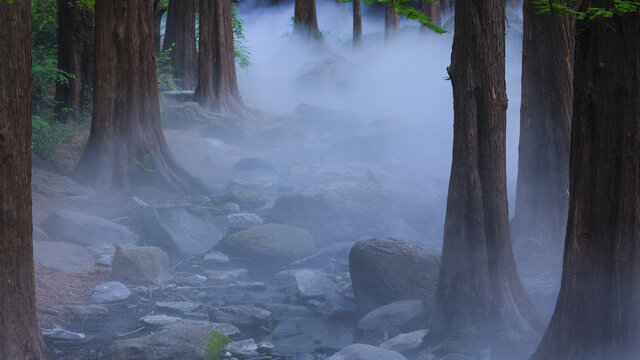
432,10
217,84
357,24
69,59
305,19
597,315
87,58
542,195
180,37
158,11
126,143
478,282
391,22
445,7
20,336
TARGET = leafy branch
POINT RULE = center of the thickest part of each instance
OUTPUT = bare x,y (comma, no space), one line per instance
402,8
620,7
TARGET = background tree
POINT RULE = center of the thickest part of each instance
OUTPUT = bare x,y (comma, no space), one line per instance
69,59
305,19
158,10
20,336
180,37
478,283
432,10
598,308
357,23
391,21
126,143
445,7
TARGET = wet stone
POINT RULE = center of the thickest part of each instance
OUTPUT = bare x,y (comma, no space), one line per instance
109,293
178,306
243,348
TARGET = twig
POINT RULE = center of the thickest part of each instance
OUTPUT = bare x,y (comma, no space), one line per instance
134,331
182,261
298,262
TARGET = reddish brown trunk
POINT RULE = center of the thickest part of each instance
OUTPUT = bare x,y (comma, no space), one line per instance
478,282
391,22
69,59
217,84
126,143
305,19
597,315
87,58
432,10
357,24
20,337
158,11
180,37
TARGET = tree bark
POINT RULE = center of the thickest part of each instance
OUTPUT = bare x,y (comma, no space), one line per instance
357,24
478,282
597,315
158,11
69,59
20,336
432,10
391,22
217,83
180,37
126,144
305,19
87,57
542,195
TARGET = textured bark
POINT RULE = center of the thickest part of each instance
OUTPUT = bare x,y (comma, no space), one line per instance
478,281
391,22
158,11
217,83
180,37
445,7
87,28
69,59
20,336
597,315
357,23
542,195
305,19
126,144
432,11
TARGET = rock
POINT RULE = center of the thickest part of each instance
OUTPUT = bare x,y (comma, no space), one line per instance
485,354
231,208
426,356
191,280
388,270
61,334
271,241
222,276
243,348
177,306
140,264
190,114
64,257
241,221
366,352
337,304
216,257
86,311
391,315
456,356
313,283
109,293
39,235
250,285
404,342
244,197
243,316
103,254
158,320
182,230
265,347
86,230
48,183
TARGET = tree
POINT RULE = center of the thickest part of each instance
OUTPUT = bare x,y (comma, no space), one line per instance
598,308
542,195
217,83
432,10
305,19
391,21
158,11
478,283
126,143
69,59
180,37
357,24
445,7
20,336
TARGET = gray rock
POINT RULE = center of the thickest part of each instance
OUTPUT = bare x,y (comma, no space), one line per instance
241,221
189,114
216,257
39,235
103,254
140,264
244,197
61,334
243,316
182,230
366,352
456,356
231,208
388,270
338,304
109,293
64,257
485,354
87,311
226,276
243,348
250,285
271,241
391,315
177,306
313,283
48,183
191,280
404,342
158,320
86,230
222,328
426,356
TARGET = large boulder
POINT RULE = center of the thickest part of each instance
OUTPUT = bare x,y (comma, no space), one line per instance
110,292
182,230
49,183
270,241
64,257
366,352
243,316
86,230
388,270
140,264
391,316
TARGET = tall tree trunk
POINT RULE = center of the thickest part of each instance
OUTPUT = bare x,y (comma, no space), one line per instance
87,57
542,195
597,315
126,143
305,19
445,7
158,11
217,84
432,10
391,22
180,37
69,59
20,336
357,24
478,282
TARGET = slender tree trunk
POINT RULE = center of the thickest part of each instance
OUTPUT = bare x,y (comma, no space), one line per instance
69,59
432,10
597,315
391,22
126,143
217,84
180,37
542,195
357,24
158,11
20,336
445,7
87,58
478,283
305,19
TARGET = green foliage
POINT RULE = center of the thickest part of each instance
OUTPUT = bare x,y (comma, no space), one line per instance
146,163
242,51
46,135
470,331
166,78
510,336
215,344
620,7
